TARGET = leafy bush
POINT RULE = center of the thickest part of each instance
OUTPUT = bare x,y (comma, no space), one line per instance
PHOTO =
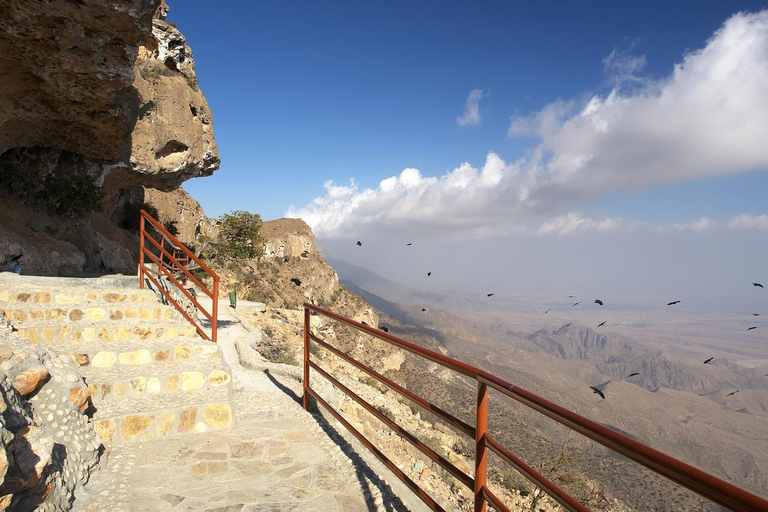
239,237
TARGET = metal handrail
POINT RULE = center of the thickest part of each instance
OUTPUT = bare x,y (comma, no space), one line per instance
704,484
173,267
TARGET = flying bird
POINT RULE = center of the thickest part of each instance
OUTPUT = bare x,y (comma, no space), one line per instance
729,394
751,328
633,374
490,295
576,304
755,314
409,243
569,296
429,274
601,324
758,285
384,329
599,389
296,281
673,303
598,301
359,243
708,360
544,313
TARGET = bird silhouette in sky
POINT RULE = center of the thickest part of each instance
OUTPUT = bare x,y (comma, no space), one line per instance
673,303
359,243
758,285
384,329
755,314
601,324
569,296
598,301
296,281
490,295
729,394
576,304
429,274
708,360
633,374
599,389
409,243
544,313
751,328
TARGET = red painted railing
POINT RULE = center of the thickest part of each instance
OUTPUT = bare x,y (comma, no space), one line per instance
712,488
171,260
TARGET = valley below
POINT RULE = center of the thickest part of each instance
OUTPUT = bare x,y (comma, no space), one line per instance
713,416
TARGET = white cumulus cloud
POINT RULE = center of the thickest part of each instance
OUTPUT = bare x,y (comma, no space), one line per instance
472,109
708,118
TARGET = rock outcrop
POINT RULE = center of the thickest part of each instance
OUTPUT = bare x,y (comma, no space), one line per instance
95,98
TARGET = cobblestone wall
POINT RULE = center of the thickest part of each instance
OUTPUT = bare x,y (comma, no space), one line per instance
48,445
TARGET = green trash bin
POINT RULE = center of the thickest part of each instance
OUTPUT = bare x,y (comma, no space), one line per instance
233,298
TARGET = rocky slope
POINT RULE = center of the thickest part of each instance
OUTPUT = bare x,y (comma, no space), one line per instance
96,98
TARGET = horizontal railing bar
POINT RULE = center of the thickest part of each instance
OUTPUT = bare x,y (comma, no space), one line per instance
182,267
493,500
405,345
413,486
169,275
451,420
555,492
711,487
426,450
176,304
179,244
708,486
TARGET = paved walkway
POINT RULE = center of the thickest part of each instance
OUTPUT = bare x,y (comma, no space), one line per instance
276,457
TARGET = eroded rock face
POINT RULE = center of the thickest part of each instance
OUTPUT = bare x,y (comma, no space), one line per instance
184,211
287,237
173,137
67,67
102,92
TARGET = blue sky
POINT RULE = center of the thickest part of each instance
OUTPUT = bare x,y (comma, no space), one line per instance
572,118
303,92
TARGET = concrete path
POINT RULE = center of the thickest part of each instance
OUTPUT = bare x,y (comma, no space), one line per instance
277,457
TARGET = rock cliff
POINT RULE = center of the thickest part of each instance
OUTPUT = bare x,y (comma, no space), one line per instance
96,98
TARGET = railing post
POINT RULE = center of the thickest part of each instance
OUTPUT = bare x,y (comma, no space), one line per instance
481,451
215,309
162,255
141,251
305,397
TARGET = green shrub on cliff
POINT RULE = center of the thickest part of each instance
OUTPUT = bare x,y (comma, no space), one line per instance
239,237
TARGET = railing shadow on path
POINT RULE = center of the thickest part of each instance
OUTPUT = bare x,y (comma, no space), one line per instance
363,471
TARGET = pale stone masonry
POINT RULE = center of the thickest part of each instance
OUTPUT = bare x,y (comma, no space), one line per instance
149,374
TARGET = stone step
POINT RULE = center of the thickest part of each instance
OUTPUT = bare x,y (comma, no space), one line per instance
120,382
29,296
92,333
144,419
24,315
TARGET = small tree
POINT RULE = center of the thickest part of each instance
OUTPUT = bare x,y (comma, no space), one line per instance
239,237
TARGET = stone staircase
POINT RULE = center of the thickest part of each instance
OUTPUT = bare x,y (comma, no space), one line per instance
149,373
